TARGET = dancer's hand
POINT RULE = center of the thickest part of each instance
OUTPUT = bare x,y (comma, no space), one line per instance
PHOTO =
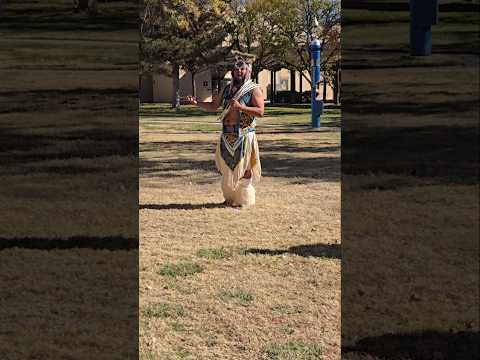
234,104
192,100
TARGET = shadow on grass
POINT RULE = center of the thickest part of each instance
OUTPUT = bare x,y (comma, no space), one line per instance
274,164
270,111
34,16
449,153
362,105
20,149
320,168
404,6
186,206
331,251
97,243
420,346
73,99
158,113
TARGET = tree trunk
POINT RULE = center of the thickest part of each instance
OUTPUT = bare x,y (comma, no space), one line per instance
272,86
92,6
194,88
336,85
324,89
292,87
301,87
176,84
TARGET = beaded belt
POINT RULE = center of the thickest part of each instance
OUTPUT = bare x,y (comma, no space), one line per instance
236,129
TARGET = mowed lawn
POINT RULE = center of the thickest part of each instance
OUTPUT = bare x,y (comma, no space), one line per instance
258,283
409,247
68,138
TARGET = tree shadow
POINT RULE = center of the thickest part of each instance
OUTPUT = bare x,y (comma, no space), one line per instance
449,153
403,6
20,153
83,242
159,113
320,168
331,251
274,164
361,105
425,345
186,206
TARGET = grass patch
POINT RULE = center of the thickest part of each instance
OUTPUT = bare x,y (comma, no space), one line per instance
237,296
181,353
293,350
184,289
164,310
159,116
287,309
211,341
287,330
214,253
181,269
148,356
179,327
158,125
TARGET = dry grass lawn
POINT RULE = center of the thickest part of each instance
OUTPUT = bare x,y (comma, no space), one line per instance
220,283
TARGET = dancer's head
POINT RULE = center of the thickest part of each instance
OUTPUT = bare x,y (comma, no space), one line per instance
241,72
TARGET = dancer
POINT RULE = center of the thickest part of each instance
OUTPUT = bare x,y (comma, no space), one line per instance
237,156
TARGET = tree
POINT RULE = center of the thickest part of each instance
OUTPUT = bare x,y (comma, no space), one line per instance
253,34
293,22
278,33
189,34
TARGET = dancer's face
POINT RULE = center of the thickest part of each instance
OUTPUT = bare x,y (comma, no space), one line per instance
239,74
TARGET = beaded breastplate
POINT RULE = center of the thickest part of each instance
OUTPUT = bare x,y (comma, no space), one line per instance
233,139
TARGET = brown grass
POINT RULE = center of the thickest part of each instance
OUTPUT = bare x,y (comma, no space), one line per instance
257,296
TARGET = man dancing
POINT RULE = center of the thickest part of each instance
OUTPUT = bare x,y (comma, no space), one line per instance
237,156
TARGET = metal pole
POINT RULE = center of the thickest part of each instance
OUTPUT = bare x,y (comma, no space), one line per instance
315,79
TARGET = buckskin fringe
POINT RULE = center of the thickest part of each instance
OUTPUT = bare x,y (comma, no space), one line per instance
247,87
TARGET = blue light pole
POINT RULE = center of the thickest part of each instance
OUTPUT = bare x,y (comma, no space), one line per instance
317,105
423,14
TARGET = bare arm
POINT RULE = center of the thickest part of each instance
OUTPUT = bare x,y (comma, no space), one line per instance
206,105
257,108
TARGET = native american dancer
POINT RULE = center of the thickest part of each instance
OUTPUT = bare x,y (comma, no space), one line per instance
237,156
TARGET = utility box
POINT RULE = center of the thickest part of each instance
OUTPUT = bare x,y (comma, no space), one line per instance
317,107
423,14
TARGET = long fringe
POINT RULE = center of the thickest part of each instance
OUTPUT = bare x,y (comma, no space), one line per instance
251,159
248,86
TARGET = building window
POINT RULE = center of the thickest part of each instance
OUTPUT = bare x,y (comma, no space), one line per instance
205,83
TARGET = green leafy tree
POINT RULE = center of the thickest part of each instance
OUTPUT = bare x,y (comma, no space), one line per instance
254,34
278,34
296,23
189,34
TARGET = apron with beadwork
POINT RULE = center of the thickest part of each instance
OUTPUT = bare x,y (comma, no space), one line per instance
233,140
